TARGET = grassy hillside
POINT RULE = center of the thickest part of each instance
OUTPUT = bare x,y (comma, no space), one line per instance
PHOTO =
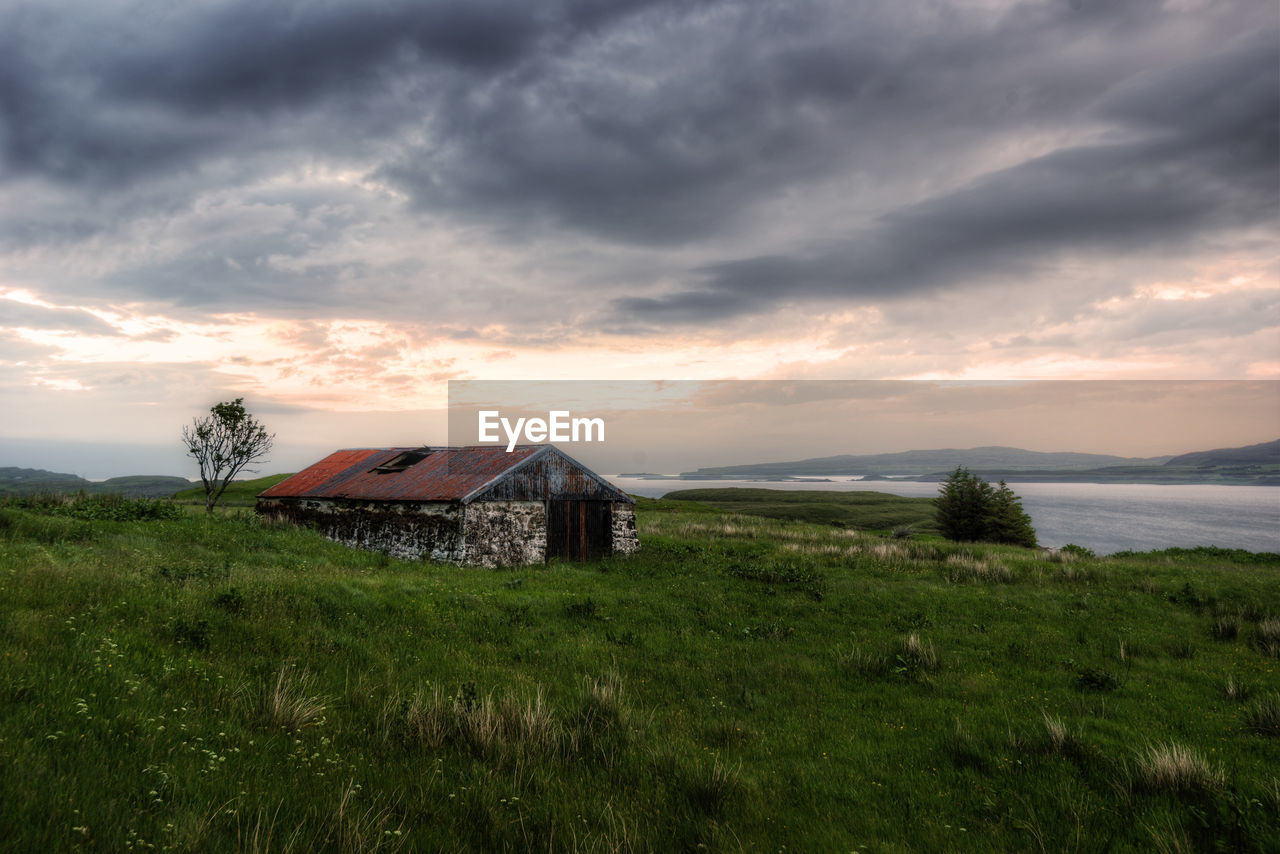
870,511
241,493
1262,454
20,481
216,683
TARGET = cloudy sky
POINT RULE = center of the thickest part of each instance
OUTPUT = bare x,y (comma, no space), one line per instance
333,208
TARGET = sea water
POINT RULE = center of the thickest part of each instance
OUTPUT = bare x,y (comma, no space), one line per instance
1106,517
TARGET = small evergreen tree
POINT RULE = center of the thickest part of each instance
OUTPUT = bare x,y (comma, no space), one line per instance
962,504
1007,522
968,509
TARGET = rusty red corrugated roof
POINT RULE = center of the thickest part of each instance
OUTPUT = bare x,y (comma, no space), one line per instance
445,474
318,474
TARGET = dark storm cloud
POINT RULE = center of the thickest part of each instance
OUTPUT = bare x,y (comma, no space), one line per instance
671,136
704,117
643,123
106,93
252,55
88,95
52,124
1206,157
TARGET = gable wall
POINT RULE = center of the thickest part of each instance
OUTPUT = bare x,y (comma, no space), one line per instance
625,539
549,476
504,533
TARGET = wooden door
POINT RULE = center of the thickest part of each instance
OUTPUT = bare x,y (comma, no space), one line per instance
579,530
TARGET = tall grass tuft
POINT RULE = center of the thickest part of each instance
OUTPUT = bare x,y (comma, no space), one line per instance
1225,627
511,727
963,568
486,727
1062,740
1267,638
427,719
858,662
288,704
1088,706
710,789
916,657
1171,767
373,828
601,715
530,723
1074,573
1168,836
911,658
1236,691
1263,715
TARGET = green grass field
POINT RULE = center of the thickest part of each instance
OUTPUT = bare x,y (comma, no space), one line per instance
868,511
215,683
240,493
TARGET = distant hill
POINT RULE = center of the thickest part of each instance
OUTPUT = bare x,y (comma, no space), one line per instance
22,481
19,481
1265,453
1257,465
929,462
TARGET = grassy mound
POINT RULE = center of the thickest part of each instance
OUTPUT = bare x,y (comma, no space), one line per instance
214,683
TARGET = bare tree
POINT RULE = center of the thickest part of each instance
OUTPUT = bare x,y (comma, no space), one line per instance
224,443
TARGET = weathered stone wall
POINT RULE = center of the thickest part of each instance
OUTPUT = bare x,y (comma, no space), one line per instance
625,540
411,530
504,533
484,533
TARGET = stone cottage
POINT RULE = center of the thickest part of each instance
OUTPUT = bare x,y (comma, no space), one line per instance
478,505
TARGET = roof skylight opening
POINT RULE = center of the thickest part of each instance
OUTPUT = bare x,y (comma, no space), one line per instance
402,462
